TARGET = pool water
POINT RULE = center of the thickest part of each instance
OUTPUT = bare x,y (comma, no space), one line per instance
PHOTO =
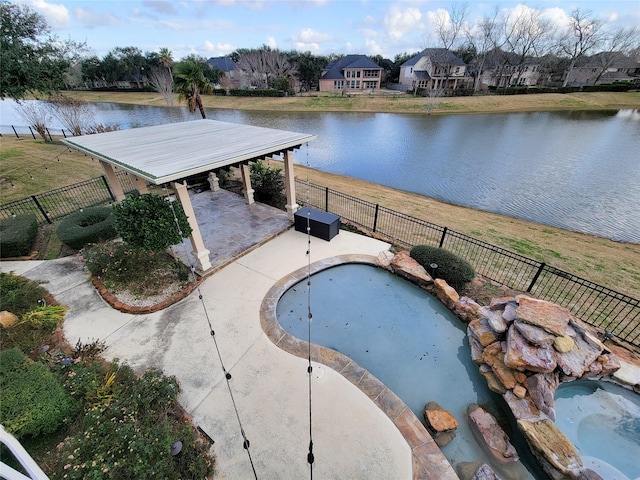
405,337
603,422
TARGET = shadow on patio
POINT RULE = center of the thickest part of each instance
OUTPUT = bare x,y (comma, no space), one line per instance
230,227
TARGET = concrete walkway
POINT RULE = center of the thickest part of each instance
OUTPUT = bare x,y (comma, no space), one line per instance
352,437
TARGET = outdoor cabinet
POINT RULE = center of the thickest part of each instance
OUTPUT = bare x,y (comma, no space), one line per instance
323,225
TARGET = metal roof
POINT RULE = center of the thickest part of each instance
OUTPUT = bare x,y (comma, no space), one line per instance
169,152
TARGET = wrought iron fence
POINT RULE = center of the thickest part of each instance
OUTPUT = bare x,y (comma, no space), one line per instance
62,201
592,303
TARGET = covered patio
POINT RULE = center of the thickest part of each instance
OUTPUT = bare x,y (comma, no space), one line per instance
168,154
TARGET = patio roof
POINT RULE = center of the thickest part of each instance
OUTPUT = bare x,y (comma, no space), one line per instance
165,153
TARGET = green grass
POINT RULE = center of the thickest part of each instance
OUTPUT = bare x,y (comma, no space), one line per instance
529,248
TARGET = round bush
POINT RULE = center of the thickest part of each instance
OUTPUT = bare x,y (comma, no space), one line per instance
17,235
91,225
451,268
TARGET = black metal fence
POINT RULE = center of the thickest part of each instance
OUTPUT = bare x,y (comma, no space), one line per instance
57,203
592,303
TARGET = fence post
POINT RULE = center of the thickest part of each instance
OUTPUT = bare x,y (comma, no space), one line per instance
535,277
326,199
63,134
34,137
14,131
50,139
375,218
46,217
106,184
444,234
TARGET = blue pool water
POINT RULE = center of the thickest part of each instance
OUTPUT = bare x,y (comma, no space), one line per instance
603,422
406,338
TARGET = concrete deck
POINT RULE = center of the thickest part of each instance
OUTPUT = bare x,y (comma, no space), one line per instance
352,437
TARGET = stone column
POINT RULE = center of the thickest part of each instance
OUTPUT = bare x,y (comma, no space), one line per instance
214,182
246,182
290,184
113,181
199,250
141,185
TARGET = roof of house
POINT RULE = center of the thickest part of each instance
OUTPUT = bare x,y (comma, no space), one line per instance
224,64
165,153
438,55
334,70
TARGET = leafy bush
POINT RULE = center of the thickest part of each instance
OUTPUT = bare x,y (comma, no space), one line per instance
33,402
19,295
17,235
128,427
148,222
268,184
255,92
453,269
34,328
143,273
91,225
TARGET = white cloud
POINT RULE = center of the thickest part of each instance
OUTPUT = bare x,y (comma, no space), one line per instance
93,19
218,49
310,36
557,16
307,47
160,6
613,17
57,16
373,48
271,42
399,22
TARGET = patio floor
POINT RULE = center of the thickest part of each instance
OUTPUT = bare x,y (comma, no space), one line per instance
230,227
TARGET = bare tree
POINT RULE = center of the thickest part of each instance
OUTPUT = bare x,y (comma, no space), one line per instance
449,24
582,35
484,38
74,114
616,44
262,66
161,79
37,115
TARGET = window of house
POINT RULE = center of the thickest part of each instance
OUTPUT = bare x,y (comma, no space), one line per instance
358,74
457,69
337,84
357,83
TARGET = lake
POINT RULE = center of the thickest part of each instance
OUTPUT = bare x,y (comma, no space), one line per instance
577,170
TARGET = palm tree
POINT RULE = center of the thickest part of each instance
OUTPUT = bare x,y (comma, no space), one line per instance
166,58
190,81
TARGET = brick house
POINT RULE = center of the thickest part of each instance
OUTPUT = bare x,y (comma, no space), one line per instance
353,73
434,68
231,77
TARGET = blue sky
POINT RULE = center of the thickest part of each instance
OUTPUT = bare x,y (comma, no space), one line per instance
217,27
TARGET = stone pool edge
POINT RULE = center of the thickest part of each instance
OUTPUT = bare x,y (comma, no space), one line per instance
427,459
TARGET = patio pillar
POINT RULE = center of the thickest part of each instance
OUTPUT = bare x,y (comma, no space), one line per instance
214,182
290,184
199,250
246,182
141,186
114,183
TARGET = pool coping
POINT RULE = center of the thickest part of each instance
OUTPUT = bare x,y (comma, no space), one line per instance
428,462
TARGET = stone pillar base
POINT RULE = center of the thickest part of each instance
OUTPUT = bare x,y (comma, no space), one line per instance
202,259
291,209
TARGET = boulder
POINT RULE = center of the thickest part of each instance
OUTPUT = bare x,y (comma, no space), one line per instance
8,319
522,355
588,474
443,439
438,419
509,313
500,303
519,391
563,344
384,259
476,347
491,436
610,363
405,266
495,321
533,334
522,408
466,470
555,453
542,389
445,293
493,355
467,309
551,317
493,382
482,331
576,361
485,472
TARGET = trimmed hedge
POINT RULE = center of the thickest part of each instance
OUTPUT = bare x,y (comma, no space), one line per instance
91,225
33,401
242,92
453,269
17,235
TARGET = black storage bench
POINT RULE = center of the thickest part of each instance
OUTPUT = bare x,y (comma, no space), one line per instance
323,225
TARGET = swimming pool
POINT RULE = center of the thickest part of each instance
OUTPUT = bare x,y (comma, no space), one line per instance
603,422
406,338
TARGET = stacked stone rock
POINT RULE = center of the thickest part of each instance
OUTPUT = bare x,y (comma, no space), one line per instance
524,348
440,423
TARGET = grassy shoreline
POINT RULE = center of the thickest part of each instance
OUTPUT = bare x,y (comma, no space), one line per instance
615,265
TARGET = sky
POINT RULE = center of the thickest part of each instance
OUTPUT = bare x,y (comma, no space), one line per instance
213,28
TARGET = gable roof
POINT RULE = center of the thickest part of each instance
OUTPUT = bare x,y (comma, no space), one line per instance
334,70
440,56
224,64
164,153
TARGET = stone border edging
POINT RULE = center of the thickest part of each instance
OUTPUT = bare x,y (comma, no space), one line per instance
427,459
112,300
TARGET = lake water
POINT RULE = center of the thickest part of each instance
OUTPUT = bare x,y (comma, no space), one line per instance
575,170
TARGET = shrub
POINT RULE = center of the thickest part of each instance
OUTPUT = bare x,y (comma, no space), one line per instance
91,225
268,184
142,273
148,222
17,235
128,427
19,295
33,402
453,269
